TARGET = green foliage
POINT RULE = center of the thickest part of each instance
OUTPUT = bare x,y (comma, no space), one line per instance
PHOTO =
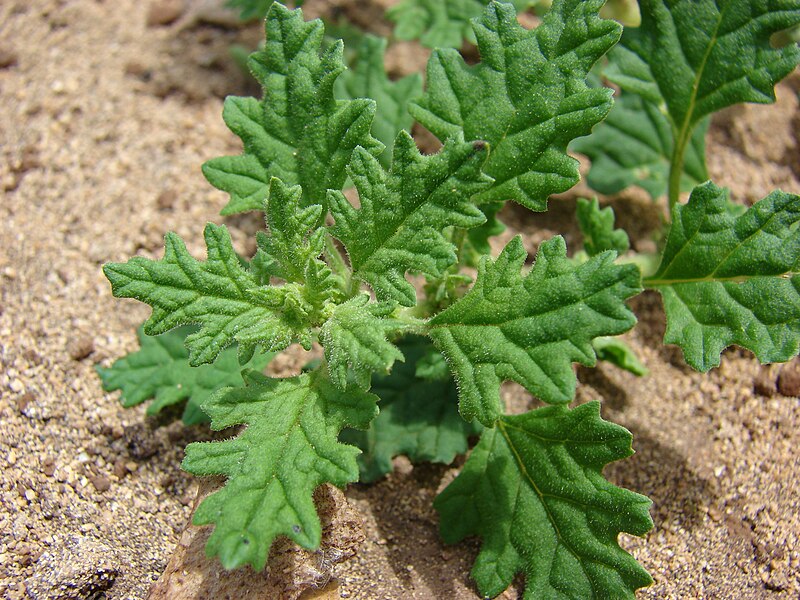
252,9
289,448
528,121
367,79
688,59
370,279
418,415
298,132
531,329
633,146
399,225
598,230
729,279
160,370
538,476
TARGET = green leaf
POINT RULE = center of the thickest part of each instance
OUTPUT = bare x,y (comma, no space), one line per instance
419,418
598,230
439,23
367,79
633,146
700,56
398,227
531,329
533,490
691,58
273,466
218,294
354,339
729,279
478,237
160,370
527,97
298,132
618,353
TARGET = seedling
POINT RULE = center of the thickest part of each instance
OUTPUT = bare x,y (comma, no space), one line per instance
334,273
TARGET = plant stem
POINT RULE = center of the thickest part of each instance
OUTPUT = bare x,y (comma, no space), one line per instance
675,170
337,264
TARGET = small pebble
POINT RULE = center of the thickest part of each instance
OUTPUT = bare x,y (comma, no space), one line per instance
8,58
101,483
164,12
789,379
81,347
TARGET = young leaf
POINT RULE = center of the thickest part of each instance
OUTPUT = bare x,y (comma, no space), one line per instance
298,132
161,370
399,225
598,230
633,146
618,353
729,279
367,79
531,329
528,97
251,9
354,338
695,57
419,418
219,295
533,489
288,448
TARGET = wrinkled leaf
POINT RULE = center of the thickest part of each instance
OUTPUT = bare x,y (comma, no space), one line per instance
533,490
728,279
289,447
530,329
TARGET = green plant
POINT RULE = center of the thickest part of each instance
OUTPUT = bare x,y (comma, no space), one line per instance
532,488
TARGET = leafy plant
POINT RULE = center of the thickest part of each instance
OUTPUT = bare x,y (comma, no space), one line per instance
335,273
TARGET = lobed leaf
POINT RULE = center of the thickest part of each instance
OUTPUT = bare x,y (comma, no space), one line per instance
700,56
298,132
527,98
398,227
729,278
160,370
634,145
354,339
367,79
533,490
288,448
419,417
531,329
597,226
219,294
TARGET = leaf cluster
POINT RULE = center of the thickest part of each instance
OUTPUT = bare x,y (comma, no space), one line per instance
415,346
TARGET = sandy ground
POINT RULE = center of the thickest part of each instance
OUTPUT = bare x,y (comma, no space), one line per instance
105,123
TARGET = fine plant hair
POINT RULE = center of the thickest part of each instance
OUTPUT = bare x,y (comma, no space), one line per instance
418,323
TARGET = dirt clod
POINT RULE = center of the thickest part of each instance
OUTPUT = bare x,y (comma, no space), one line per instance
789,379
8,58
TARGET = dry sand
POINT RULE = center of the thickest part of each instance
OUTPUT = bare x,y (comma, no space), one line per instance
105,123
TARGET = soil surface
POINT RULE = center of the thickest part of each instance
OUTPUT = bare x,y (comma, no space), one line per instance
109,109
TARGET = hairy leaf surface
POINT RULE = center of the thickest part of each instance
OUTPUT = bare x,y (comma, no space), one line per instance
367,79
533,490
219,294
160,370
597,226
633,146
527,97
298,132
289,448
354,339
419,418
728,279
695,57
531,329
399,226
